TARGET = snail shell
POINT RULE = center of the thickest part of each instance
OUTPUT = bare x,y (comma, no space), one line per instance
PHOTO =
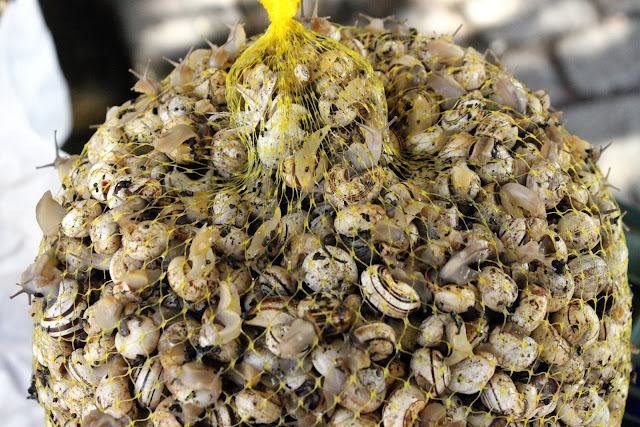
63,318
223,414
171,413
554,349
465,115
271,311
281,341
367,392
470,375
590,274
49,352
431,331
276,280
176,341
98,348
258,407
559,287
511,350
104,234
194,383
352,220
430,371
448,412
377,339
548,181
390,297
419,109
80,370
343,417
147,383
579,231
126,187
404,406
501,396
425,144
328,314
570,373
298,247
499,127
228,208
189,283
328,267
578,323
531,308
326,354
137,336
228,153
146,240
77,220
458,298
496,288
342,189
586,408
540,395
112,396
100,178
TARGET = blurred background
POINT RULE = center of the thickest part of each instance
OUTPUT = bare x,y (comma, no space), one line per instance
585,52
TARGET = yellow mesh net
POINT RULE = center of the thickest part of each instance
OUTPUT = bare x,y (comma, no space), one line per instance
334,226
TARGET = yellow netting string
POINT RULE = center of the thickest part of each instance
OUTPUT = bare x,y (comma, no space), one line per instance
280,12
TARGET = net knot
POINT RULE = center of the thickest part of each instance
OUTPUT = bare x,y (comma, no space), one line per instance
281,11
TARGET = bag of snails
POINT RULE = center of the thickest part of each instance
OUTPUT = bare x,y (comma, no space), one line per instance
336,226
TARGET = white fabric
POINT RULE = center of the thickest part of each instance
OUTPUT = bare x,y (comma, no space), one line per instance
34,100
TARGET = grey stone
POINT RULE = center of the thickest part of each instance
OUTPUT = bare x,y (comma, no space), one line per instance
487,14
533,67
432,19
611,7
512,24
612,120
602,120
564,16
154,28
602,58
619,163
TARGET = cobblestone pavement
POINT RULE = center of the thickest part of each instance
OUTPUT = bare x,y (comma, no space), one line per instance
585,52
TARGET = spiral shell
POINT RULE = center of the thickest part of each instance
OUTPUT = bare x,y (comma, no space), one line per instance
390,297
63,318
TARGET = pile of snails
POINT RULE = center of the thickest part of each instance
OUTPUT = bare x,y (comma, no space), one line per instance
450,256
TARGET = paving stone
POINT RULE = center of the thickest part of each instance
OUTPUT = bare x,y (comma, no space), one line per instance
620,163
163,27
565,16
602,120
485,14
533,67
613,120
602,58
611,7
535,21
434,19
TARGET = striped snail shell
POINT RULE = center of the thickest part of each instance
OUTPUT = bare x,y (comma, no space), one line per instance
390,297
343,190
64,317
377,338
430,371
502,397
404,406
329,315
147,383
